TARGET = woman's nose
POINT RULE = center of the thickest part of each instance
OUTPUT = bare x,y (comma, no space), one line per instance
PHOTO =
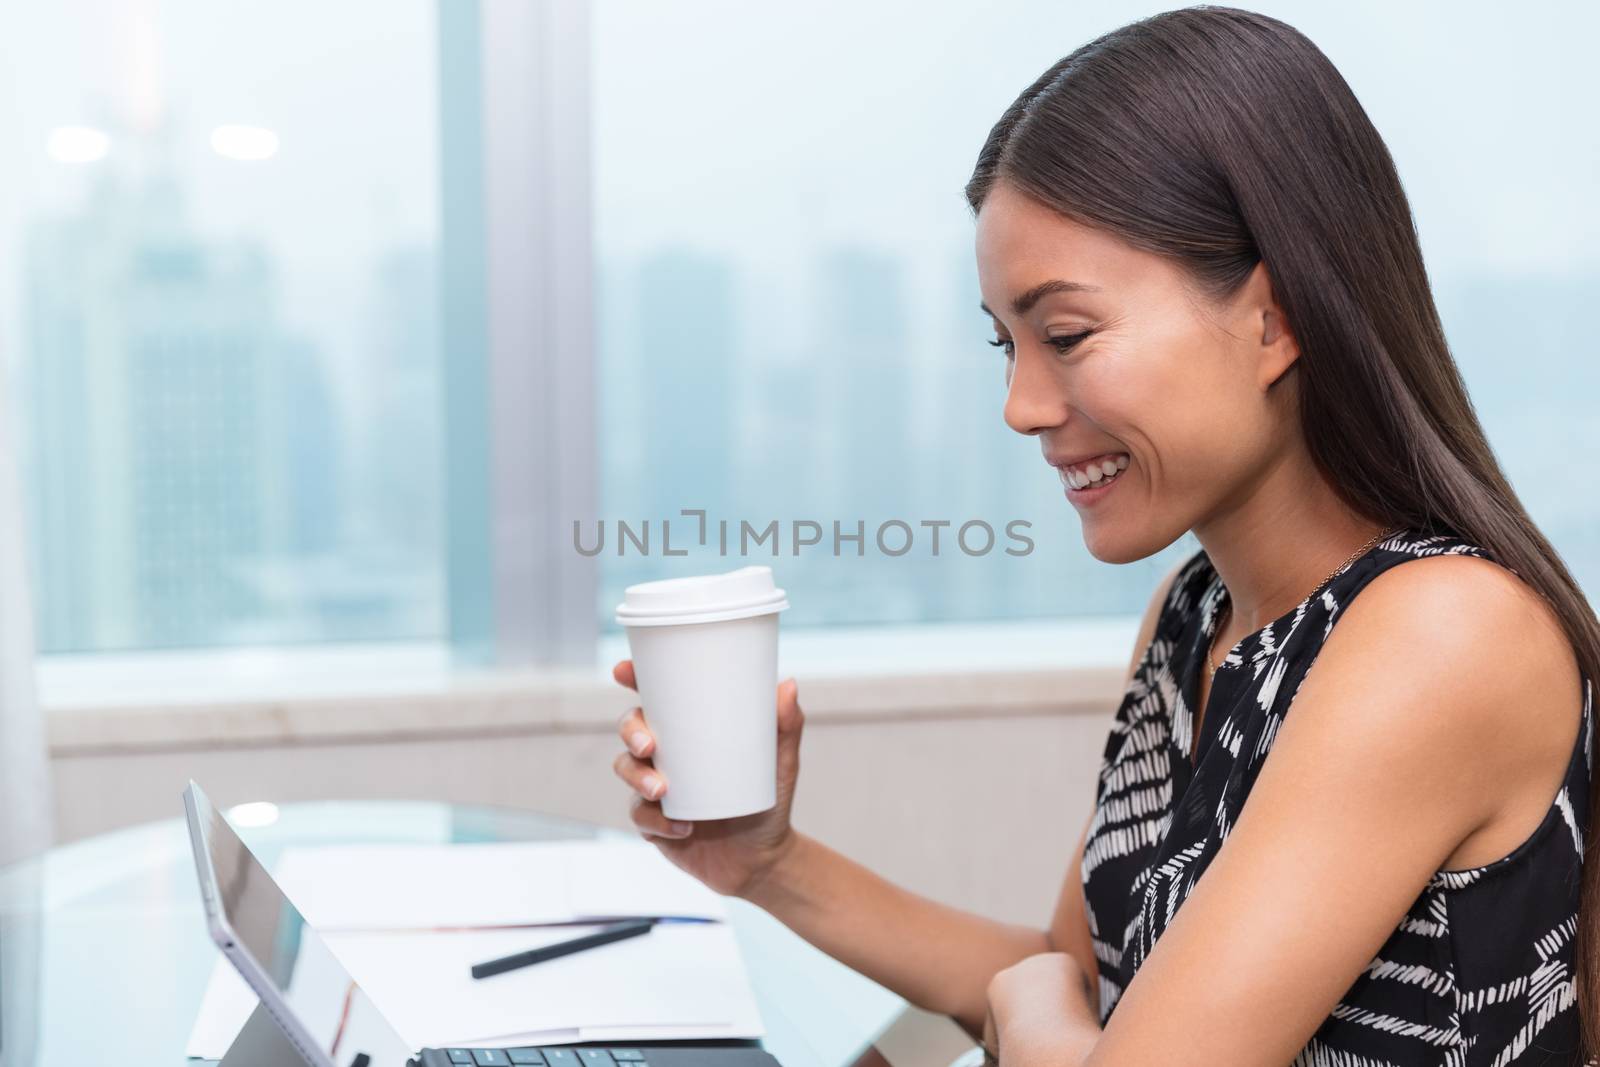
1034,399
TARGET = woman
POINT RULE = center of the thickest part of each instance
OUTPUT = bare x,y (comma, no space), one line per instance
1206,283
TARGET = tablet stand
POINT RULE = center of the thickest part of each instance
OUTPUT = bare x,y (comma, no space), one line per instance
261,1044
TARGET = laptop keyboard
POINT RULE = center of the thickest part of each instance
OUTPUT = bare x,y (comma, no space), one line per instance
548,1057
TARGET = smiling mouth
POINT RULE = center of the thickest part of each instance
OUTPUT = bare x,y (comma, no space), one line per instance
1093,475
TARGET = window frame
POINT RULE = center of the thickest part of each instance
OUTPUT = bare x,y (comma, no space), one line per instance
518,331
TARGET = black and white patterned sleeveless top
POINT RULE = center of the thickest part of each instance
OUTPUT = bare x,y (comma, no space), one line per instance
1481,970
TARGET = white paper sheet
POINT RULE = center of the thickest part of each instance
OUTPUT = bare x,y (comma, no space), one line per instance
413,887
687,976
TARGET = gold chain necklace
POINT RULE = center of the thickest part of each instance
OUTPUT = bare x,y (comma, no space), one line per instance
1211,645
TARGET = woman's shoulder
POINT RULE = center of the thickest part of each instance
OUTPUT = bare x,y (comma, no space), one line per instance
1472,628
1464,598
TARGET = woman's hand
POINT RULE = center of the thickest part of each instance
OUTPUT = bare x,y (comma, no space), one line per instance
1039,1011
728,855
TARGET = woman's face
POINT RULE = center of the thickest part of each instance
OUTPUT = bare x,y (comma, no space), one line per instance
1125,362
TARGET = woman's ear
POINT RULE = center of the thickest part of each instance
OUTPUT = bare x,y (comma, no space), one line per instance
1279,350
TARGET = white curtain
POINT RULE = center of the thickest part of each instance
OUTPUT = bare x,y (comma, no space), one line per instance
25,796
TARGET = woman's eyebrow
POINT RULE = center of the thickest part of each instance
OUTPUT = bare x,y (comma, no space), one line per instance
1025,301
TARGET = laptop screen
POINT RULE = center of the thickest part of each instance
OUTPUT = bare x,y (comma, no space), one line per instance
310,980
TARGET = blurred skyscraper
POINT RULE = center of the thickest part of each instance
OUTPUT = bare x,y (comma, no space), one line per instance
677,348
180,435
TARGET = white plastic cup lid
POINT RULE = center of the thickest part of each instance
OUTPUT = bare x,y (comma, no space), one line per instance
704,598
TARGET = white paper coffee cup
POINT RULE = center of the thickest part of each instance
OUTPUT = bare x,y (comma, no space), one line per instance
705,658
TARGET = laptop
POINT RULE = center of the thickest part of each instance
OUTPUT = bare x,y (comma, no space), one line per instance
312,1011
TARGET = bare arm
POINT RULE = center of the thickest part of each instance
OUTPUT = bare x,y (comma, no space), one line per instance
938,957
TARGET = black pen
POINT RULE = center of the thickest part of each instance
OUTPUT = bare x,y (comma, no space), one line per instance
614,932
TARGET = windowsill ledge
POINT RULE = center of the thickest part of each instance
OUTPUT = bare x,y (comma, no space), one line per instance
108,704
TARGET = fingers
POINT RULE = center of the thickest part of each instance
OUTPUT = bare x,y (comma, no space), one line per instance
640,776
622,671
634,768
635,734
647,816
790,718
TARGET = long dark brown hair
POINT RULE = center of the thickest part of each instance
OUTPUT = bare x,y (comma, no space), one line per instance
1220,138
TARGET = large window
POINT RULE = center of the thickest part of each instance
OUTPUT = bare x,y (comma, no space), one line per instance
296,303
219,240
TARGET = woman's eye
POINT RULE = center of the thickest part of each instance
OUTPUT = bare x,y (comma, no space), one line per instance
1067,342
1063,344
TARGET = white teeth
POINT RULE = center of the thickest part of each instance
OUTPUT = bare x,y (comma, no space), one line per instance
1095,473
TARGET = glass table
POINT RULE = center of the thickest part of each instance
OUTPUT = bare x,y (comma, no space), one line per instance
104,954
